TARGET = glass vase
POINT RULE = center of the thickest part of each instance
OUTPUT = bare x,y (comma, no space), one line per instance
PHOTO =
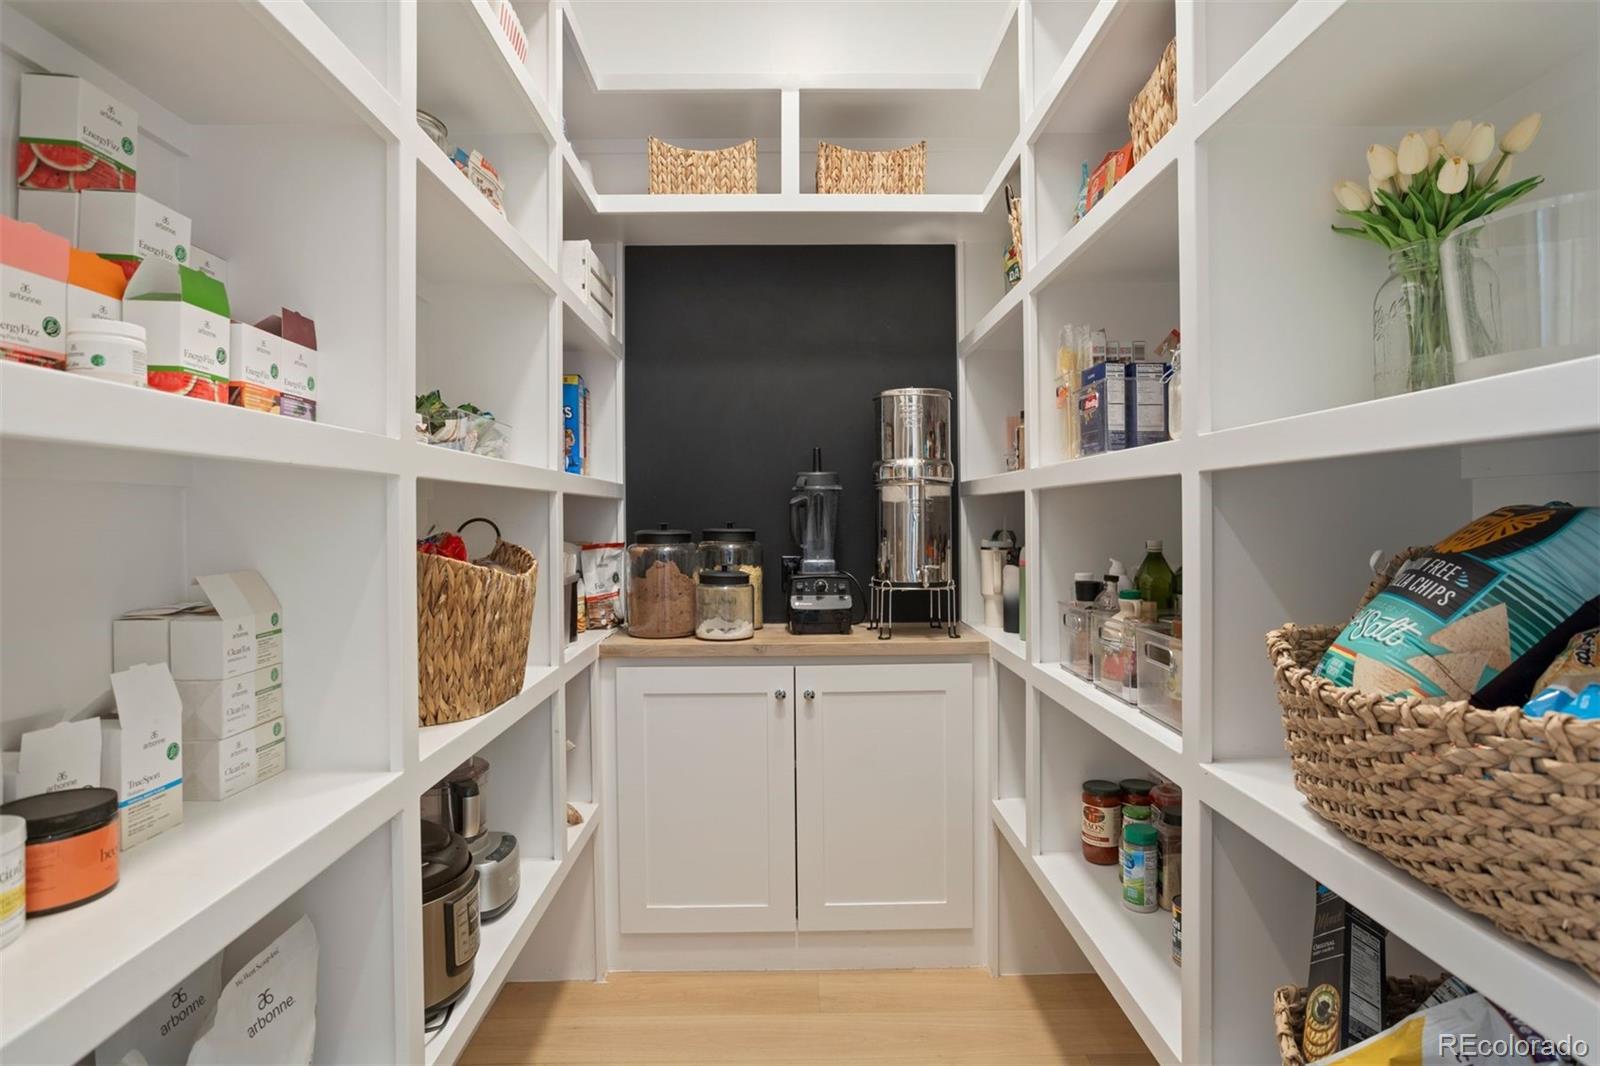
1410,331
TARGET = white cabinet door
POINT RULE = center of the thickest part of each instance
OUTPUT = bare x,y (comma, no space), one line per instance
705,797
885,800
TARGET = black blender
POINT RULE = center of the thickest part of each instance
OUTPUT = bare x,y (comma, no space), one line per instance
821,597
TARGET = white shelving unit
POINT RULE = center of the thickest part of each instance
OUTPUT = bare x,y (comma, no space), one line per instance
1287,476
300,163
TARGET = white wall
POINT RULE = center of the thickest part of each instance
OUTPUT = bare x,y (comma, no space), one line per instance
814,37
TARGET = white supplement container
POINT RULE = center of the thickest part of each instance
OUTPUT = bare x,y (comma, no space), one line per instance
13,882
110,351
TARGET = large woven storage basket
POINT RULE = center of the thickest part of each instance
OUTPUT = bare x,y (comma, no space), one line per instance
1155,110
1401,996
1499,811
702,172
473,624
852,170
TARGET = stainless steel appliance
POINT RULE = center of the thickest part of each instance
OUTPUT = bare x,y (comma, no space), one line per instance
821,597
915,476
449,917
460,803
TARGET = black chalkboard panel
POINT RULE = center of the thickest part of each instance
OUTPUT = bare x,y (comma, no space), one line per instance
741,359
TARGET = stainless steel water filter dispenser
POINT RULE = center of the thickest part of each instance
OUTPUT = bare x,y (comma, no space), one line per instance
915,476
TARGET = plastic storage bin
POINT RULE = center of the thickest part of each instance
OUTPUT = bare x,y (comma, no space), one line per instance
1160,673
1115,649
1078,621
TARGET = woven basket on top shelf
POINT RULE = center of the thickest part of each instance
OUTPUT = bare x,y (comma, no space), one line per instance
1499,811
1155,110
1401,996
473,625
852,170
717,171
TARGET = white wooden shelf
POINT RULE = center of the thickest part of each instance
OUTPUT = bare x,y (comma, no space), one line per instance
578,834
1008,648
74,977
1259,796
588,641
1131,952
1124,724
584,330
1000,330
461,238
468,76
1542,401
502,940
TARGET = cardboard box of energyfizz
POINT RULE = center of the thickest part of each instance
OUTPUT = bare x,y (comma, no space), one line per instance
255,376
33,294
236,629
223,768
213,710
185,316
129,227
296,336
72,136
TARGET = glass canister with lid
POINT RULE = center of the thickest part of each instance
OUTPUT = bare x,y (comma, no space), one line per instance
724,606
734,548
661,566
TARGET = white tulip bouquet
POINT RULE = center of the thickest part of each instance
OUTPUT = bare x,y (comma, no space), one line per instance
1416,194
1432,183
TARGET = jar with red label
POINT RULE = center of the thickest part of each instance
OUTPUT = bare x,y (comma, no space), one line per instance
1102,822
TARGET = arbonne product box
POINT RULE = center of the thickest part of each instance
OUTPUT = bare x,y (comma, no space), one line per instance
141,755
223,768
185,316
94,288
212,266
61,756
166,1030
213,710
237,629
51,211
33,294
129,227
297,358
72,136
255,375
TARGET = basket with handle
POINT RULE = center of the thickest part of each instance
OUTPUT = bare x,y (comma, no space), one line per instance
704,172
474,621
1401,996
853,170
1499,811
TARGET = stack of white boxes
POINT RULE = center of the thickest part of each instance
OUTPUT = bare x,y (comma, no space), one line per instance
587,276
226,653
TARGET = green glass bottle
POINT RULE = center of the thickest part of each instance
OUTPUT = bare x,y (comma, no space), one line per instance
1153,579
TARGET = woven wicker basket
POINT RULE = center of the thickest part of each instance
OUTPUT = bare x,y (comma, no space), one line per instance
1155,110
851,170
1499,811
1401,996
718,171
473,624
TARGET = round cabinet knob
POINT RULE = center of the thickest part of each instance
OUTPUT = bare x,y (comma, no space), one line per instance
809,694
781,694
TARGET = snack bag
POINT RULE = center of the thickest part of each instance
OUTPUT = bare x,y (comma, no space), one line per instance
1466,1030
1481,614
1572,683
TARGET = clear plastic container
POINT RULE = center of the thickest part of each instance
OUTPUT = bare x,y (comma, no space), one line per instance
1115,650
661,601
734,548
1078,621
1160,672
724,606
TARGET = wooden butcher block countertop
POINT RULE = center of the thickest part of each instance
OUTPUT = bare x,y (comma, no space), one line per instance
911,640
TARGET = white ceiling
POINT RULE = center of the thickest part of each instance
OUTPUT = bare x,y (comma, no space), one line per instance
810,37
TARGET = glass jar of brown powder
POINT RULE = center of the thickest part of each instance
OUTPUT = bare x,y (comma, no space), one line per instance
661,565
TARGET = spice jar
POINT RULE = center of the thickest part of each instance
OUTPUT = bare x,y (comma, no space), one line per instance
1177,930
724,606
1164,796
72,846
1102,822
734,548
1136,800
1169,839
661,583
1140,861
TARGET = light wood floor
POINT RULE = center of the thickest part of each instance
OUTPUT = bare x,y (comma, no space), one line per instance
856,1017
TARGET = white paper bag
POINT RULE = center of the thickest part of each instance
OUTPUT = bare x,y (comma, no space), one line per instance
267,1012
